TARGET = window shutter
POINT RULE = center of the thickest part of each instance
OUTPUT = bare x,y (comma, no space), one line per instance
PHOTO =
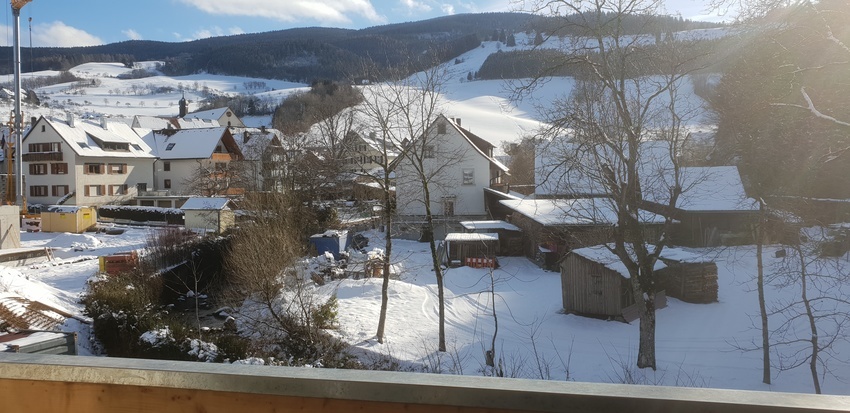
110,189
86,190
102,190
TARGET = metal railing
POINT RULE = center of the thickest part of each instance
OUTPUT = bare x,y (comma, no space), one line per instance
38,383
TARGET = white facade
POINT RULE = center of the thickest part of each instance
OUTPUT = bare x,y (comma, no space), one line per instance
458,170
86,163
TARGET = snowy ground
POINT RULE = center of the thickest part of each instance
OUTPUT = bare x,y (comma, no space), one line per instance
695,343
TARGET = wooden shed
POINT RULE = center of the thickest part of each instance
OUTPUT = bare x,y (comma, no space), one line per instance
214,215
595,283
68,218
510,236
465,248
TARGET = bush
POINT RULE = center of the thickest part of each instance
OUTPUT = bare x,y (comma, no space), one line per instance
172,216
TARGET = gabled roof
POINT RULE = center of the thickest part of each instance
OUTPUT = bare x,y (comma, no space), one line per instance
211,114
481,146
258,141
190,143
86,138
158,123
205,204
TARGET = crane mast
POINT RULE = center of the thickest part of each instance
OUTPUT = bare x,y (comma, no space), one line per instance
17,128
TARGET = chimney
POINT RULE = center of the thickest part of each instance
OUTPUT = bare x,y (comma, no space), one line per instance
263,129
103,123
184,107
70,119
245,137
457,120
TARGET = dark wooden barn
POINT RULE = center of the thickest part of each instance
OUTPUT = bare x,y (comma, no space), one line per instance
688,280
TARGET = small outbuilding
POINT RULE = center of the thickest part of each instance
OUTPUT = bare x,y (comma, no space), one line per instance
332,241
472,249
68,218
594,282
209,214
510,236
691,278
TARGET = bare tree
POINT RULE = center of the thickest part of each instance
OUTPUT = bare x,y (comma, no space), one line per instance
218,178
625,123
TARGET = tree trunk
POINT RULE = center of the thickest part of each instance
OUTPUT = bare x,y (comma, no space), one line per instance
646,345
388,246
765,333
813,362
438,270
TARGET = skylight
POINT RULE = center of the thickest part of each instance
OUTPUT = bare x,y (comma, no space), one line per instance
169,147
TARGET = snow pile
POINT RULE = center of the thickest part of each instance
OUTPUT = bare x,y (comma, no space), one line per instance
157,337
204,351
77,242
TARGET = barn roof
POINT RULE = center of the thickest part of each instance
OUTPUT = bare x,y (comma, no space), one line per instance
581,211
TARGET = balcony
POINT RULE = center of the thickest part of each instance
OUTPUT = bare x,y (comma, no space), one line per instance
40,383
221,157
42,156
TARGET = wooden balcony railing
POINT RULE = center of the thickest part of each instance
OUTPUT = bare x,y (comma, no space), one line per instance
42,156
221,157
39,383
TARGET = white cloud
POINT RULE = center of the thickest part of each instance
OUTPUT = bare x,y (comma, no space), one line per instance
132,34
414,6
448,9
235,30
58,34
325,11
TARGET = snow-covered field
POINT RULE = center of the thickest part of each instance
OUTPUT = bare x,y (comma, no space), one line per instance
696,343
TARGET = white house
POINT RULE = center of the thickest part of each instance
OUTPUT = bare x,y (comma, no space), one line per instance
224,116
80,162
183,156
459,166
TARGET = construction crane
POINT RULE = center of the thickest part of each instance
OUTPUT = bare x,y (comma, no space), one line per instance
17,128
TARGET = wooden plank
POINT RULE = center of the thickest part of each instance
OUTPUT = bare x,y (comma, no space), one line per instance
62,397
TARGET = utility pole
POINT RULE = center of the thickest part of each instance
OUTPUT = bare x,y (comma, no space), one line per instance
19,124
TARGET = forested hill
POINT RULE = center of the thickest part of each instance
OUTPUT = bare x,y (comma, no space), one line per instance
301,54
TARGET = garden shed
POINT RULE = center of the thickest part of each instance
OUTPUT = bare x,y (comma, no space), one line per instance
211,214
510,236
68,218
595,283
332,241
467,248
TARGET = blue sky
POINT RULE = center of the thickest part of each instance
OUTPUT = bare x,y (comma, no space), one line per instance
91,22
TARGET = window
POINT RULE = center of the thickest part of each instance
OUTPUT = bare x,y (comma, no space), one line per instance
136,147
95,190
38,190
146,202
166,184
43,128
38,169
93,168
59,190
45,147
117,189
441,128
170,146
166,166
117,168
428,151
142,187
219,149
59,168
468,176
449,207
164,204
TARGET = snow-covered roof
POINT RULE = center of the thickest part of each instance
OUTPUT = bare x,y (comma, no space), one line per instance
485,225
258,141
65,209
203,203
211,114
714,188
85,138
481,146
581,211
602,255
471,236
185,143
